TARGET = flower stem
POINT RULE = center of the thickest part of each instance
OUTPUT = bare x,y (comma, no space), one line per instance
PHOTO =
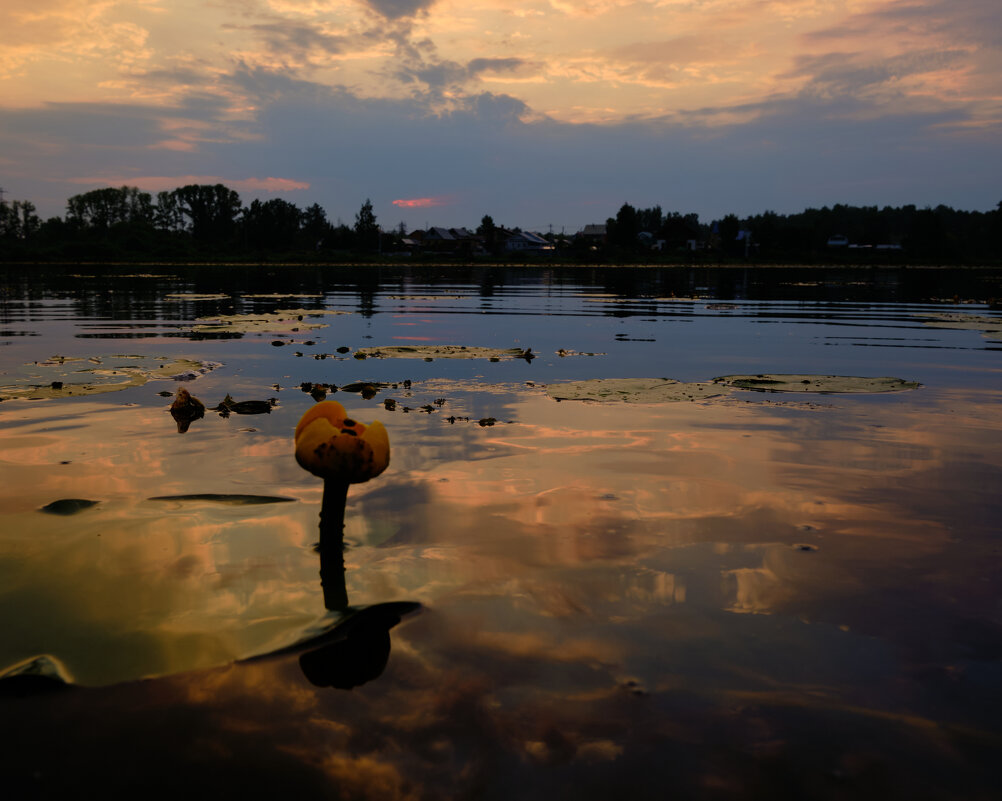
332,545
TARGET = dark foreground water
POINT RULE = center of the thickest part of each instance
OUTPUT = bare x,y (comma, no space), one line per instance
751,595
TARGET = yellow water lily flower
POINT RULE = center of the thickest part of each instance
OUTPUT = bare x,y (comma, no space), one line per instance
331,445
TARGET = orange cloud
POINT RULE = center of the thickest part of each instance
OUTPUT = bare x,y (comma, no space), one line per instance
421,202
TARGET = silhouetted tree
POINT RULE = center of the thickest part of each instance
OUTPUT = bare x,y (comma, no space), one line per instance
366,229
314,228
209,211
167,214
489,231
273,225
18,220
100,209
622,231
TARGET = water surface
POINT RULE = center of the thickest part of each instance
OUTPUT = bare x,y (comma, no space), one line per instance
765,594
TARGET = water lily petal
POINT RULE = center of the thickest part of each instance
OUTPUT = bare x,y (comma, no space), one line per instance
332,411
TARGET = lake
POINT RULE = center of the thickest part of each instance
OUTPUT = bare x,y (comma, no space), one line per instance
577,578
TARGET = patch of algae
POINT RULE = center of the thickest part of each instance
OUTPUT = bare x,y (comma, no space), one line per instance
277,322
776,382
438,352
990,327
636,390
666,390
66,377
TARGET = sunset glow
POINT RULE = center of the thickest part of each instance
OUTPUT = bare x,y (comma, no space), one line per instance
541,112
420,202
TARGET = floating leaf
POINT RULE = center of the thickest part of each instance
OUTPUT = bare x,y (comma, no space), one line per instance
438,352
65,376
282,321
815,383
990,327
228,499
68,506
635,390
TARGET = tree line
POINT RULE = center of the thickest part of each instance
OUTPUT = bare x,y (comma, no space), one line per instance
198,220
907,234
211,222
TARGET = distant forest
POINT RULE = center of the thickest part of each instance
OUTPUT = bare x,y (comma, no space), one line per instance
202,222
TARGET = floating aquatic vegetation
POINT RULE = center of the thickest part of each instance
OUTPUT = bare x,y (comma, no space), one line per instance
75,376
283,321
68,506
990,327
666,390
38,674
228,499
281,295
367,389
428,297
229,406
441,352
635,390
565,352
816,383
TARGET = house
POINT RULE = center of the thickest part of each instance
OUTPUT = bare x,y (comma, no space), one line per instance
593,234
448,240
525,242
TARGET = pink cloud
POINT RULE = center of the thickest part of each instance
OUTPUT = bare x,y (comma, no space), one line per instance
157,183
420,202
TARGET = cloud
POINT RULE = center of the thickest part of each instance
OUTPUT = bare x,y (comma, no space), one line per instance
396,9
157,183
421,202
850,73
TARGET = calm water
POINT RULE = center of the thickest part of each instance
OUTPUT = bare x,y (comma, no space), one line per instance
759,595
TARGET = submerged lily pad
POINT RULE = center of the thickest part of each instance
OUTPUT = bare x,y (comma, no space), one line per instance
66,376
439,352
39,674
68,506
227,499
990,327
815,383
282,321
635,390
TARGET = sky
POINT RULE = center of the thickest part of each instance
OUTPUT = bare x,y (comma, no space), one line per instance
540,113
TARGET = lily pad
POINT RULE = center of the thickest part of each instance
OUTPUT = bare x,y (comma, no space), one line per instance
228,499
438,352
278,322
815,383
68,506
635,390
990,327
281,295
428,297
228,405
74,376
39,674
